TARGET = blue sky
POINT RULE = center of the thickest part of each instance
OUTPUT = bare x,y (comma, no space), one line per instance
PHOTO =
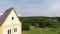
32,7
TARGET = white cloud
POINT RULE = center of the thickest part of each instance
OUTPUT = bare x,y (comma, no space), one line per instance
53,9
19,14
54,6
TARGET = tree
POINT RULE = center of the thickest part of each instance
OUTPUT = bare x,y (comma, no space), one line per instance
25,26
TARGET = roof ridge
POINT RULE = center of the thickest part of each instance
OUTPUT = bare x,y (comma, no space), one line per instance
3,17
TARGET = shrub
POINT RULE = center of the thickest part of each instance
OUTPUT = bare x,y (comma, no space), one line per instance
25,26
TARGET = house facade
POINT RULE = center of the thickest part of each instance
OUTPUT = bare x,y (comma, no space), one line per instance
9,22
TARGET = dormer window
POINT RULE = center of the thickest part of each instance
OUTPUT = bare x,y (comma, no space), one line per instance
12,18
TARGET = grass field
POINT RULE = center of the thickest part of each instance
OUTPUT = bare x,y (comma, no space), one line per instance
42,31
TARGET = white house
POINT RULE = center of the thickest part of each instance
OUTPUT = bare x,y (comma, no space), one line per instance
9,23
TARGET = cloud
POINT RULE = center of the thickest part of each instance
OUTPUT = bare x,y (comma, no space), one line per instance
53,9
55,6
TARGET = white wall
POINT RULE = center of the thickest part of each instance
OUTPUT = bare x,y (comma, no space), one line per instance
9,20
5,29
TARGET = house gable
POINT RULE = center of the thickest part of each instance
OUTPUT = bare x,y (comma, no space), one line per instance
11,19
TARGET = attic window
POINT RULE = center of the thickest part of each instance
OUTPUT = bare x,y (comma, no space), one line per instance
12,18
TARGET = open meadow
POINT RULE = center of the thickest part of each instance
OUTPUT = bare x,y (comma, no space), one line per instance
42,31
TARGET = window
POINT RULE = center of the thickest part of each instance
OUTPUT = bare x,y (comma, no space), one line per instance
9,31
15,29
12,18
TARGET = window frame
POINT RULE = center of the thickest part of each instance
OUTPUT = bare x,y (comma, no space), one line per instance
15,29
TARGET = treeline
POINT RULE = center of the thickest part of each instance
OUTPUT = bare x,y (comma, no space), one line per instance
39,21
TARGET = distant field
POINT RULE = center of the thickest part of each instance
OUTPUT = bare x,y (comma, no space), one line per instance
42,31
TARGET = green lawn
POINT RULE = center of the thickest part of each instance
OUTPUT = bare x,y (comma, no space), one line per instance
42,31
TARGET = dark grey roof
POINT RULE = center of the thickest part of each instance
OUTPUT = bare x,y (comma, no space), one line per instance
4,16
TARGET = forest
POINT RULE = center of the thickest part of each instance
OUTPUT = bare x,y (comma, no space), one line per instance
39,21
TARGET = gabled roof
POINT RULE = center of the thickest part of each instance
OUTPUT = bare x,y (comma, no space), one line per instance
4,16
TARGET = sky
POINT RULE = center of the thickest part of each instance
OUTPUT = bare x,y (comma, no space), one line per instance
32,7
